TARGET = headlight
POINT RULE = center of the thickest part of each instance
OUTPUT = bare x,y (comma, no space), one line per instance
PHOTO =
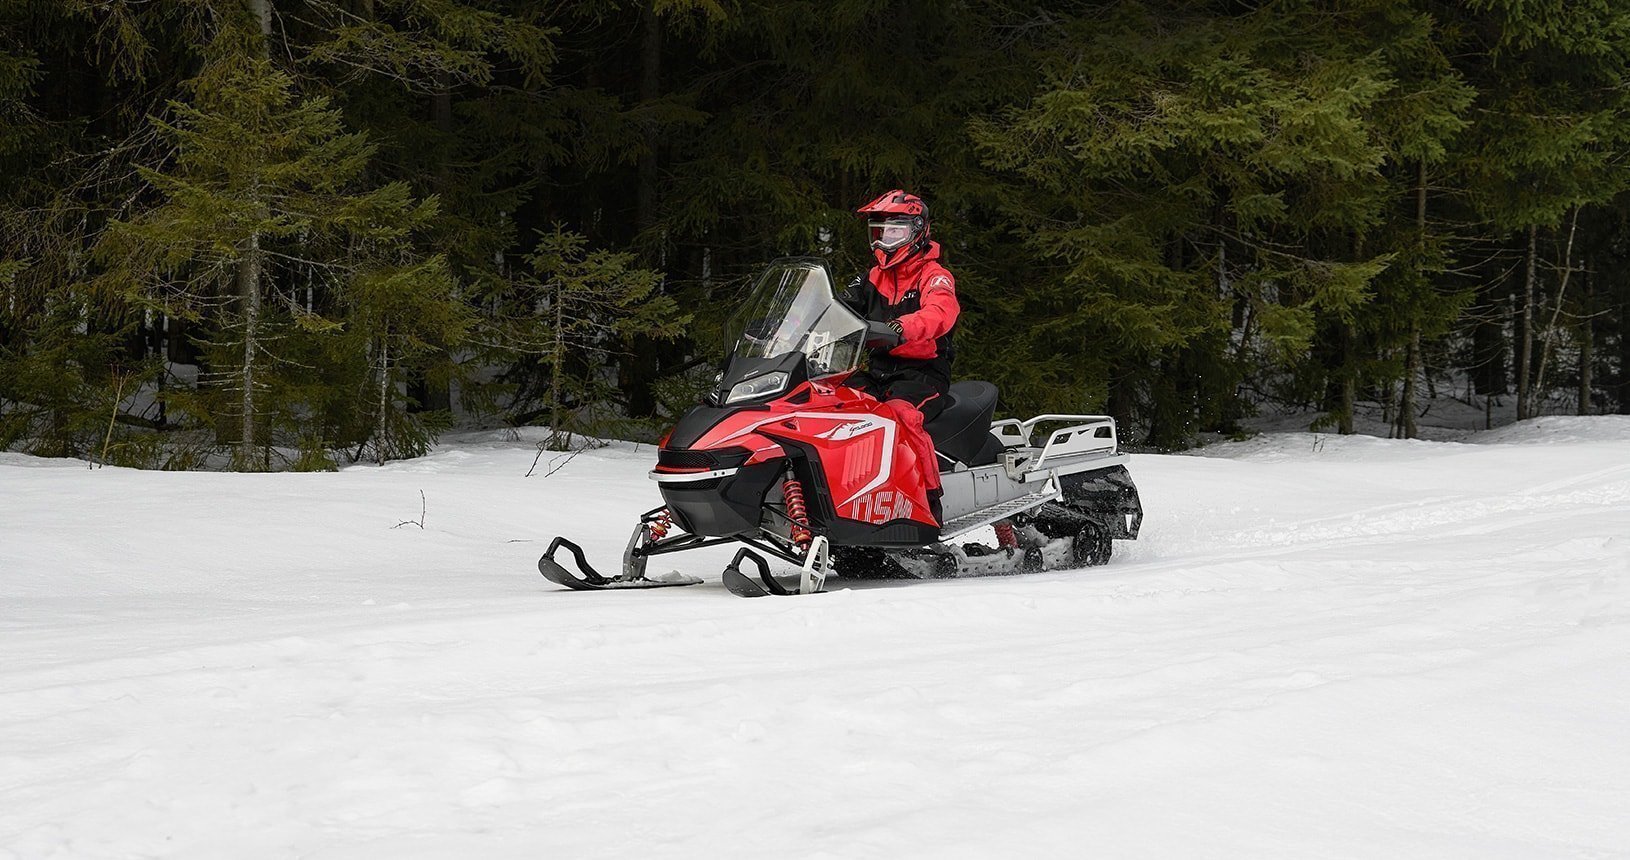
758,386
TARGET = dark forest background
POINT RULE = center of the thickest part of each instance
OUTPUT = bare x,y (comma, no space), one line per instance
294,233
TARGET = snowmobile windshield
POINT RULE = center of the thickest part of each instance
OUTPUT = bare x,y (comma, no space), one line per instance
792,309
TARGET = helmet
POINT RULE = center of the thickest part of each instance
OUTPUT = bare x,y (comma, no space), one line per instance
898,223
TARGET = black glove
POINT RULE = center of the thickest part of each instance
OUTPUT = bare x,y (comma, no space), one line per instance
881,335
898,329
854,295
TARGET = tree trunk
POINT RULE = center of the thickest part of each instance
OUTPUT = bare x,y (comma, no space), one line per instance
1243,351
1345,425
436,396
1623,380
1525,339
1387,414
1407,428
1349,380
1121,400
641,363
1548,337
262,10
249,291
557,377
381,423
248,277
1587,336
645,215
1412,354
1488,348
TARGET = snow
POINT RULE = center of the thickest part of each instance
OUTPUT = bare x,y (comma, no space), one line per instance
1321,646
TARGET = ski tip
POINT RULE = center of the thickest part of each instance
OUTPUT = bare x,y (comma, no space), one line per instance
742,585
554,572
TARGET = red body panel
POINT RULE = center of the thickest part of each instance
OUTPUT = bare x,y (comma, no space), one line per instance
872,476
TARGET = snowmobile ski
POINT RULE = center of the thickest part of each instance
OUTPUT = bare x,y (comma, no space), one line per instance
742,585
592,580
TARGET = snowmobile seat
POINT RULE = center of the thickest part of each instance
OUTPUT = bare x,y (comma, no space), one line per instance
962,429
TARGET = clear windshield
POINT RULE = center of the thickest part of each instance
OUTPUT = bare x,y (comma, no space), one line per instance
793,309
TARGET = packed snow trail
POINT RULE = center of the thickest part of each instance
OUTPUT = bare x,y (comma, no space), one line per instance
1321,646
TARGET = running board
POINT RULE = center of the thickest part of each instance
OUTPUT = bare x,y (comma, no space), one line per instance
1001,511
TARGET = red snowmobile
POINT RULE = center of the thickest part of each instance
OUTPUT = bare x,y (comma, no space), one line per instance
784,459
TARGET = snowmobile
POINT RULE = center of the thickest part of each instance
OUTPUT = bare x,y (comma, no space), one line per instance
785,460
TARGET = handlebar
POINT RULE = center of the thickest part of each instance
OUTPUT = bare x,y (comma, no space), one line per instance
880,336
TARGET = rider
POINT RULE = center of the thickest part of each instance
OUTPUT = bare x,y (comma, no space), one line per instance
916,296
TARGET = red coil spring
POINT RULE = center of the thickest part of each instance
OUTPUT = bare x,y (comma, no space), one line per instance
794,494
658,525
1005,538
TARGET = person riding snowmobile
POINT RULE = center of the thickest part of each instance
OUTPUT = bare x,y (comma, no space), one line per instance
910,290
915,295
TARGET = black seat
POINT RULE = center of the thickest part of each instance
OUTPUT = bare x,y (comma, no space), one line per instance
962,429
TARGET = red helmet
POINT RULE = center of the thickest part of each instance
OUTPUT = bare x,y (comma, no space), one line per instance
899,226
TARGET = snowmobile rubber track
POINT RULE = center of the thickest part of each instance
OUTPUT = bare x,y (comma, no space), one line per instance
742,585
591,580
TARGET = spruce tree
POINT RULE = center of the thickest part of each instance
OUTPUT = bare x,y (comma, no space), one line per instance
1184,171
570,310
1553,116
258,202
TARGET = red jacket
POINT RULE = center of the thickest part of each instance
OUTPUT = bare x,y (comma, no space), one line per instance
921,294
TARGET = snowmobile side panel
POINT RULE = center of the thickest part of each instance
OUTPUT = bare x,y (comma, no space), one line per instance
886,518
872,477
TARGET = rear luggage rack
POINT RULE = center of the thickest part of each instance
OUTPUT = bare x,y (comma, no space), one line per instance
1092,439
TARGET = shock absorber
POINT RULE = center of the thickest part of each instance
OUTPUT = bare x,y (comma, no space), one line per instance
793,492
659,524
1005,538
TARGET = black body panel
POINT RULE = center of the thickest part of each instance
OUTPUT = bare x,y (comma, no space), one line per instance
700,419
722,507
702,458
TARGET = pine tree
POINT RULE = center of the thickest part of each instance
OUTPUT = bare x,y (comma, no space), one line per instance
1174,211
258,202
63,354
1181,168
1554,115
569,312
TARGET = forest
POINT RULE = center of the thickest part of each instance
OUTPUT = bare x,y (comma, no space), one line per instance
296,234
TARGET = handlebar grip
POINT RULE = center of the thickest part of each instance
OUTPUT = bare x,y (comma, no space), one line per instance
880,336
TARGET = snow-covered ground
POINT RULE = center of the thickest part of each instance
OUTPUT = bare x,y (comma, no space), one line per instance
1322,646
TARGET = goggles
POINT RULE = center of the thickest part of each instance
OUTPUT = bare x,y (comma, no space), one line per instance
889,235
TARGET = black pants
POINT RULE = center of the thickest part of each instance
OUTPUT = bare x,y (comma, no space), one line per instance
922,390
